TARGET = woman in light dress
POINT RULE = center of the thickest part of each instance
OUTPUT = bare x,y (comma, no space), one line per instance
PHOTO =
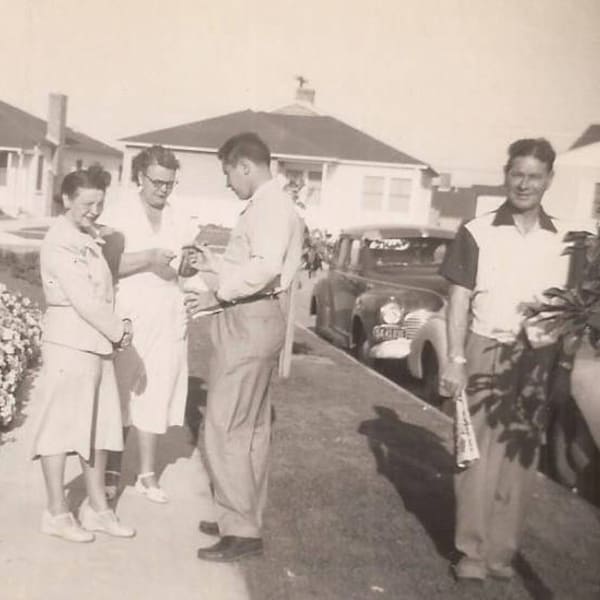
80,413
153,373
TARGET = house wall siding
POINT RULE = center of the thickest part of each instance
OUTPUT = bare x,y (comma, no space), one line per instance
201,189
571,195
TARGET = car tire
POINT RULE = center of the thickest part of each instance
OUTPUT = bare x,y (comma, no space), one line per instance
360,349
431,381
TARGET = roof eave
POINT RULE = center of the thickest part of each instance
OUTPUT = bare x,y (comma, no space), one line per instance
287,156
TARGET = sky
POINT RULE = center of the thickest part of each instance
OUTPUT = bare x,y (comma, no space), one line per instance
451,82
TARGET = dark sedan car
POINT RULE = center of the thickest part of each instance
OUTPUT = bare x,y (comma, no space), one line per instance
381,288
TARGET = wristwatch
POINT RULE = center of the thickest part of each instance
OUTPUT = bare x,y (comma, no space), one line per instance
458,360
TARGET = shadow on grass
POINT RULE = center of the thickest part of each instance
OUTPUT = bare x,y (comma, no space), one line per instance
420,468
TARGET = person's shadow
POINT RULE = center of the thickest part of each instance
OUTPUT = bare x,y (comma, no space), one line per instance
177,442
420,468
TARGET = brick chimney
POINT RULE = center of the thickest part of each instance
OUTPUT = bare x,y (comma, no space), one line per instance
57,119
305,95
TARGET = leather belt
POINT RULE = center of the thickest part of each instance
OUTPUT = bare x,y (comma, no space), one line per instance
272,295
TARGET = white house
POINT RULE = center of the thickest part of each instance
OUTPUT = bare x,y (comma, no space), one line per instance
575,191
343,176
34,154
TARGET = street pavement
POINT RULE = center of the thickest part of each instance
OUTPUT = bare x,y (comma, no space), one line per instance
360,505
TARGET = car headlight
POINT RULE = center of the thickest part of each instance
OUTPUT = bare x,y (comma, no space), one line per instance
391,313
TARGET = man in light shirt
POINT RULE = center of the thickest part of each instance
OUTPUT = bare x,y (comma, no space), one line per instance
497,264
253,279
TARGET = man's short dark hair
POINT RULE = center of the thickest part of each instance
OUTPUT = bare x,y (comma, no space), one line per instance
539,148
154,155
245,145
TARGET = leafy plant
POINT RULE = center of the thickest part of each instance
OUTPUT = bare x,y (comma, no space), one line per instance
574,311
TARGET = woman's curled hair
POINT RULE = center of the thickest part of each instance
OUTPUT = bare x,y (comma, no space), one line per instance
94,177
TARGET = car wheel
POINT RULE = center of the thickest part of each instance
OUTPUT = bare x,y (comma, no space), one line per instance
361,347
431,382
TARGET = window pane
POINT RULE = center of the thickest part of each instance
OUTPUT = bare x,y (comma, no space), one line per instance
355,253
372,198
399,200
343,252
313,190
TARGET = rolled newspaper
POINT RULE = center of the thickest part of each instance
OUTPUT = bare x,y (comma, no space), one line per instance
465,442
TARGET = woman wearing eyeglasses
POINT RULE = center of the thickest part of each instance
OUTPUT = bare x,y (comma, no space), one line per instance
153,374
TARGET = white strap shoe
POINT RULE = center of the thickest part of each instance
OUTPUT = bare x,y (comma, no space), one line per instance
66,527
105,521
154,493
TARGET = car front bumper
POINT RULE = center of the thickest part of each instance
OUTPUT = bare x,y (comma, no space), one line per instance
390,349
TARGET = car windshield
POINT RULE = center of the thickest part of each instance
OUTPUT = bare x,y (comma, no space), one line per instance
391,252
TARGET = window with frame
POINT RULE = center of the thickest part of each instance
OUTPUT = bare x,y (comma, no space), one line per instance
3,168
355,249
343,249
313,188
399,195
372,193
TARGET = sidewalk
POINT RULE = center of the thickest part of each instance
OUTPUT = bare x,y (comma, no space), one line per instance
360,507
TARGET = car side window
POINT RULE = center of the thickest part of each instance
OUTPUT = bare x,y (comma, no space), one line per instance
343,250
355,253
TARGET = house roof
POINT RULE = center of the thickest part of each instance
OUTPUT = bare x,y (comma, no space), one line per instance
19,129
590,136
310,135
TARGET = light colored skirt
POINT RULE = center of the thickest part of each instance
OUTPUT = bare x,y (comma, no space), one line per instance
153,383
80,411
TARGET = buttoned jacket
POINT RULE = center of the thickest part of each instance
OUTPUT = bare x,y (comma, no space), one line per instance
79,291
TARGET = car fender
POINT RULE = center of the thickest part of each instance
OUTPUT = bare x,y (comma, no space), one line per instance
366,311
433,334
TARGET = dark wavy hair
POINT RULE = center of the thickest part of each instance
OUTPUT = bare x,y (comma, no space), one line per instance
245,145
154,155
94,178
539,148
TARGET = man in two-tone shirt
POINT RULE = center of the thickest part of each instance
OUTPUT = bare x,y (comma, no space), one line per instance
253,279
498,263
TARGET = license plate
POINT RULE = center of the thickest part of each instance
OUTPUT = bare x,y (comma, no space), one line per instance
382,333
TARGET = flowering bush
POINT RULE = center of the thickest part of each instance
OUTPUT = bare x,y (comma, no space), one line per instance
20,334
316,251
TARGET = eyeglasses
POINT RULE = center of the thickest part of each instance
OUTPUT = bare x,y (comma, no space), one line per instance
159,183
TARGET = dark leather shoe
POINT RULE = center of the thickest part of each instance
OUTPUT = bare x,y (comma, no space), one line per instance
209,528
231,548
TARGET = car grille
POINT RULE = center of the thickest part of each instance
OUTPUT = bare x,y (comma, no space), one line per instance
414,321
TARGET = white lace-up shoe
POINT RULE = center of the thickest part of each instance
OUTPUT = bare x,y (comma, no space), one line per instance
66,527
105,521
